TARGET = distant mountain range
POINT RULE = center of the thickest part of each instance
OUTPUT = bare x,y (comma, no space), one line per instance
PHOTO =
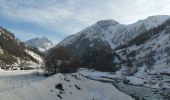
42,44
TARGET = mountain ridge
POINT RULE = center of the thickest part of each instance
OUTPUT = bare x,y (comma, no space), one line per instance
42,43
115,33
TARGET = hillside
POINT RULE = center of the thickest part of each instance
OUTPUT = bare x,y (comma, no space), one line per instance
96,43
141,58
149,55
15,53
109,33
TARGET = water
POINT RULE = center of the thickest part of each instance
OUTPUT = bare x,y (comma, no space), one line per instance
138,92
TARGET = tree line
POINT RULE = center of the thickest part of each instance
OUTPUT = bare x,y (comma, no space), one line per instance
62,59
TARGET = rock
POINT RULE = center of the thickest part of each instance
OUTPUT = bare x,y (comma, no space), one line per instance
59,86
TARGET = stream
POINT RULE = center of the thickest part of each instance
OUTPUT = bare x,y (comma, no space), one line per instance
143,93
137,92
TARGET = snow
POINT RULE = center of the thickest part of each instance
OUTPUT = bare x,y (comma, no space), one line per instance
43,44
115,33
143,76
36,56
67,40
18,72
76,87
95,74
1,31
150,22
1,51
135,80
154,21
10,80
139,86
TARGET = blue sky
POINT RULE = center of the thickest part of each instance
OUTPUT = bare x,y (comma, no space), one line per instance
57,19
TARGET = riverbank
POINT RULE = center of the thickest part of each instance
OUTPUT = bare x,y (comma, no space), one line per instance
139,92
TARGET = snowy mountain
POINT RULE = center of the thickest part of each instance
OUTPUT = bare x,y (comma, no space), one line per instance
144,48
142,69
113,32
42,44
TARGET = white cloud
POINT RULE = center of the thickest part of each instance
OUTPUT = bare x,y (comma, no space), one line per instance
37,15
69,16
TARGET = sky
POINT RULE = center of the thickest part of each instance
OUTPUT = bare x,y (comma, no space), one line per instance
57,19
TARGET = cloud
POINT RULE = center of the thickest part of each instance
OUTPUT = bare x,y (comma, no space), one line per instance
70,16
38,14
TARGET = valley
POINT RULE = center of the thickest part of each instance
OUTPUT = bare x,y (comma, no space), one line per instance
105,61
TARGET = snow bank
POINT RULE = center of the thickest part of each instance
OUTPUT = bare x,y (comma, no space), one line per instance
75,86
19,72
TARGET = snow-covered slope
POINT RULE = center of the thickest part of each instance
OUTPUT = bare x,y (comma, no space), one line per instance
15,55
145,53
42,44
113,32
35,56
149,55
72,87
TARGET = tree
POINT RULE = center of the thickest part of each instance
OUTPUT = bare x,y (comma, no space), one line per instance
150,60
99,57
129,69
57,59
167,50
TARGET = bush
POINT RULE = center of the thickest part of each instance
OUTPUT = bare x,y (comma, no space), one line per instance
99,57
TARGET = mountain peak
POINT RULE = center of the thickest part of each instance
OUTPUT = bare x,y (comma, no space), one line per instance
152,21
158,16
106,23
42,43
114,33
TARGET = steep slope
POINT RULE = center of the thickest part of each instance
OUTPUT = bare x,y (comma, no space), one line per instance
144,48
113,32
109,33
13,52
149,55
42,44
